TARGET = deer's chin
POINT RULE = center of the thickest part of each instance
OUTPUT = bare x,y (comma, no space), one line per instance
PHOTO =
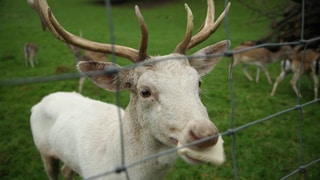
191,160
185,157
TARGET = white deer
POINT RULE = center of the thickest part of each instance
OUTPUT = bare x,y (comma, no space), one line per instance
164,109
259,57
293,65
86,55
30,52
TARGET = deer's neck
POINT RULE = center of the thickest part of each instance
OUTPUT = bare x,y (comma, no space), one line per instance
140,134
141,144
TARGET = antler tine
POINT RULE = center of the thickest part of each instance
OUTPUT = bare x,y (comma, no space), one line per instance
41,7
209,25
144,35
182,47
48,20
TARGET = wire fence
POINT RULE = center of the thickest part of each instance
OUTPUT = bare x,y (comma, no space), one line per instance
232,131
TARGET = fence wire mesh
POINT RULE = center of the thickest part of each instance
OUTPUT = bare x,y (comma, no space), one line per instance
232,131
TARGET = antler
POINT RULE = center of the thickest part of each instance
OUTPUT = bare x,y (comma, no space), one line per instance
144,35
183,46
50,22
189,41
208,27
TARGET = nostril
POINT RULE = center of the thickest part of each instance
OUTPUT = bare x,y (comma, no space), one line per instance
194,136
174,141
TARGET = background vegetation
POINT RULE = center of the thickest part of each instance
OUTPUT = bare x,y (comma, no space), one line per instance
269,150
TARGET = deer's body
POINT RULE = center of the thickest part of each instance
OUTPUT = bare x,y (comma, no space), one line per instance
259,57
165,108
96,56
87,138
292,65
87,55
30,51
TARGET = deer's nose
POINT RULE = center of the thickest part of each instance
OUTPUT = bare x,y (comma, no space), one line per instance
209,132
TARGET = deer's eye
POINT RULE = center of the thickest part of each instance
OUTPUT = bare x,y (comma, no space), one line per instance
145,93
199,83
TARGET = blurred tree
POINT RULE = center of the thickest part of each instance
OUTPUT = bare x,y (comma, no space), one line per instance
286,25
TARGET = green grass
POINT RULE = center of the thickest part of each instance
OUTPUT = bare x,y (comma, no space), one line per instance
269,150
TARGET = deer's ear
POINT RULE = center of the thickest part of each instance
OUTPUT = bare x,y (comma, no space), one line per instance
205,60
106,75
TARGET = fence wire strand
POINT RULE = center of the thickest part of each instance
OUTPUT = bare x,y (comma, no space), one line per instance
232,131
113,59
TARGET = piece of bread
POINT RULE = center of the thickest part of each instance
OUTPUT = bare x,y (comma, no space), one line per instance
214,154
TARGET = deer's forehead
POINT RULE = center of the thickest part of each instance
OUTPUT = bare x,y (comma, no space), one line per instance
172,64
170,74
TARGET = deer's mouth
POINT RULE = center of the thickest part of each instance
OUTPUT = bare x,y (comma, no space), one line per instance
191,160
213,154
186,157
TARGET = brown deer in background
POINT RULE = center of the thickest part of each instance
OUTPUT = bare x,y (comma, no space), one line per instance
310,65
259,57
86,55
30,51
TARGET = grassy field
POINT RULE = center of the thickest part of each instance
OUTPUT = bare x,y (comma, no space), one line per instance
269,150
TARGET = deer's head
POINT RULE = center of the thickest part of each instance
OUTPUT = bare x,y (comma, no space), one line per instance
164,89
